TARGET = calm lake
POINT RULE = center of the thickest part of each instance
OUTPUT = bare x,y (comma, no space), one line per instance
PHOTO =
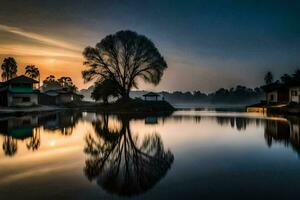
187,155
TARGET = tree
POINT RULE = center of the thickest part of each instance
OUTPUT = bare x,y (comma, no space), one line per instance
124,57
286,79
33,72
269,78
67,83
122,163
104,90
9,68
50,83
296,75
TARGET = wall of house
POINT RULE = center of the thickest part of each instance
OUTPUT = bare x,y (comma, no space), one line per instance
64,98
294,94
151,98
22,99
272,97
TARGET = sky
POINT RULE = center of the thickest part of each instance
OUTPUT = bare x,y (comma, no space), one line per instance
207,44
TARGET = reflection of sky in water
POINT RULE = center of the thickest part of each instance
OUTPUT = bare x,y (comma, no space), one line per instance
216,154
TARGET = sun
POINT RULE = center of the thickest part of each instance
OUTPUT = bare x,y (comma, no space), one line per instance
51,60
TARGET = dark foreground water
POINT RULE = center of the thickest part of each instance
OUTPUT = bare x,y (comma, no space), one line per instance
188,155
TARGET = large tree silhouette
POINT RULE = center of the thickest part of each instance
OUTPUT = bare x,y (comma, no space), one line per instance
123,164
9,68
124,57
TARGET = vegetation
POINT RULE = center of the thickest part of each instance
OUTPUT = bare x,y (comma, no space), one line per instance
51,83
33,72
239,94
286,78
123,58
269,78
9,68
104,90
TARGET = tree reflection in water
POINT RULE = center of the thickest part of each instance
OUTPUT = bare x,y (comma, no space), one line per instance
34,141
121,163
10,146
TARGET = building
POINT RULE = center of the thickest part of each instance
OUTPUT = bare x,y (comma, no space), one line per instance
59,97
282,93
19,91
276,93
151,96
294,93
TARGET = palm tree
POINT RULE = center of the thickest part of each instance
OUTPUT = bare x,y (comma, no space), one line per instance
124,57
33,72
9,68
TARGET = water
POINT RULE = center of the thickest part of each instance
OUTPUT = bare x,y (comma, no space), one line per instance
189,154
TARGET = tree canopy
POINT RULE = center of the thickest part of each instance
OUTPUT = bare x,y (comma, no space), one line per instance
123,58
9,68
32,71
51,83
268,78
104,90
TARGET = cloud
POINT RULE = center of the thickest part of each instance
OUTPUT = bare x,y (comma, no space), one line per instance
39,37
30,50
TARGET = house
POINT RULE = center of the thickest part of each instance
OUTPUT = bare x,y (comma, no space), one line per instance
151,96
276,93
59,97
282,93
294,92
19,91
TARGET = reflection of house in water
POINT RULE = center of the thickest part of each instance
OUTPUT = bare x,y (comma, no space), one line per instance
28,128
19,128
61,121
284,130
151,120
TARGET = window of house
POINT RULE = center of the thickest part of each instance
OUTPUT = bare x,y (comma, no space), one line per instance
271,97
25,99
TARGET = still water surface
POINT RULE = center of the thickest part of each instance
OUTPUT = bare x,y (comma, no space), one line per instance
189,154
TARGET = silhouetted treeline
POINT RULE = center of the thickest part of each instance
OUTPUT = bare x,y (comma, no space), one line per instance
240,94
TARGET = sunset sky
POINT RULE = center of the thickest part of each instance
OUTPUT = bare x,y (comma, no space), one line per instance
206,45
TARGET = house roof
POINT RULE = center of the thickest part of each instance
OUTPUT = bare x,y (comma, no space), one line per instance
151,94
21,79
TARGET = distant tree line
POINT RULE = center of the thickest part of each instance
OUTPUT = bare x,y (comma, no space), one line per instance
239,94
284,79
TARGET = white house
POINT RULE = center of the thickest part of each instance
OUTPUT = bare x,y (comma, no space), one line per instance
294,94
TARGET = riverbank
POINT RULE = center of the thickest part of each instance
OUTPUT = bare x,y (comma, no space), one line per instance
131,106
282,109
17,111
